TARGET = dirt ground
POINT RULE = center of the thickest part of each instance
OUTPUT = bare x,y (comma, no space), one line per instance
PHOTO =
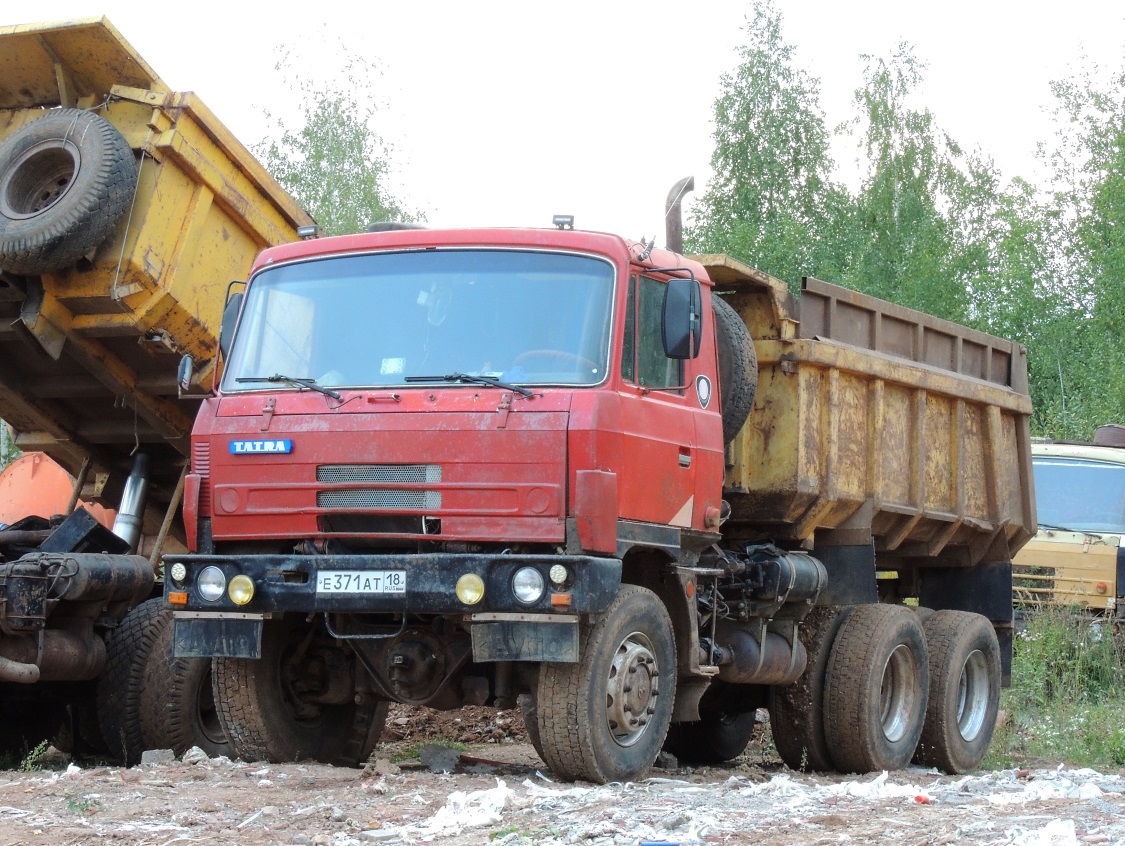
498,792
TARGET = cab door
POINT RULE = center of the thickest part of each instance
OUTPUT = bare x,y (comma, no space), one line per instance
657,481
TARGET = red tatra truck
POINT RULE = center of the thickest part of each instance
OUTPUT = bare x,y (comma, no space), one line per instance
643,495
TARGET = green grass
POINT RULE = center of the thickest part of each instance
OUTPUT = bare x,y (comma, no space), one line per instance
1067,699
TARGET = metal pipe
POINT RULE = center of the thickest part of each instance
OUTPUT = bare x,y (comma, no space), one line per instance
14,671
673,218
79,483
130,515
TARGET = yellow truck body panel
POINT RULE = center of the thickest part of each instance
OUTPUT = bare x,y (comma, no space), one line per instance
1059,568
92,350
873,422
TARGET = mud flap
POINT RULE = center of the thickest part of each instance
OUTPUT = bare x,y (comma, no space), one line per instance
211,636
548,639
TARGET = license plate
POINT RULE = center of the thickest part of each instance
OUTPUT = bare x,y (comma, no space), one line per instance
361,581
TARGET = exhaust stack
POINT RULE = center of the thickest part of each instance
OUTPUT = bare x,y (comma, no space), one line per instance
130,515
673,218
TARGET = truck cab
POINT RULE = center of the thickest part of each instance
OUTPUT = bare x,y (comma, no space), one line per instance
444,448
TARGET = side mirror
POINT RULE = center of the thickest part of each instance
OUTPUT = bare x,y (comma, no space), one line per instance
230,317
184,374
682,319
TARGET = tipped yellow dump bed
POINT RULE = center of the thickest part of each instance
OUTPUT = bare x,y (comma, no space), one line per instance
876,423
88,350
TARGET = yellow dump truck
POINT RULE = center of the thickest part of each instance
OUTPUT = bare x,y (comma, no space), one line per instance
642,494
1075,559
125,210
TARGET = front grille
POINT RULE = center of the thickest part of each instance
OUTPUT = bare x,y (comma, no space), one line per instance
380,499
416,473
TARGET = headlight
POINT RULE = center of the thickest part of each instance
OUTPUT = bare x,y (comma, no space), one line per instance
528,585
470,588
211,583
241,590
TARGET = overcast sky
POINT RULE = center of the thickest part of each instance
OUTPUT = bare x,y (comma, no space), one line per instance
506,113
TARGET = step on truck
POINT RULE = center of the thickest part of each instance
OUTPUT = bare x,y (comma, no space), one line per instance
125,208
642,495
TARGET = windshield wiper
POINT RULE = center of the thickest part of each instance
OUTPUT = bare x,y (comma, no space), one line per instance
475,380
292,380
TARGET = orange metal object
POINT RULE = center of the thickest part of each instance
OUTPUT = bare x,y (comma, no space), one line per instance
35,485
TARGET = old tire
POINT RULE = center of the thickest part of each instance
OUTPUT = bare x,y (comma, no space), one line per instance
604,718
177,702
738,367
530,712
875,689
716,737
121,682
65,180
797,710
290,706
964,691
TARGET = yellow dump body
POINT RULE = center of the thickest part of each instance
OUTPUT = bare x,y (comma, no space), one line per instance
88,356
876,423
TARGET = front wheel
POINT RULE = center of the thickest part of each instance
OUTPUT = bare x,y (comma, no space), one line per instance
964,691
298,701
605,717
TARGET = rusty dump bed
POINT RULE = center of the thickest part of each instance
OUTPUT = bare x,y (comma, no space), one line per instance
874,421
88,355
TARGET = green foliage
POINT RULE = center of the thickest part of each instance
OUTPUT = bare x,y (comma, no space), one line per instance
333,161
9,452
33,760
84,805
1067,695
933,226
923,207
771,202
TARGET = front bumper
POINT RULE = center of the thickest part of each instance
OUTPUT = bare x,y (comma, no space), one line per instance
284,583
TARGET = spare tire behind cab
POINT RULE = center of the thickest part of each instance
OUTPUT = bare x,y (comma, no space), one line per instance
65,180
738,367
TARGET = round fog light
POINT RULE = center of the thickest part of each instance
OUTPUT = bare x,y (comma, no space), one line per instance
470,588
558,574
211,583
178,572
241,590
528,585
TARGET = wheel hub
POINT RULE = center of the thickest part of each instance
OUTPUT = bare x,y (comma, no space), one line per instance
898,693
973,696
38,179
632,688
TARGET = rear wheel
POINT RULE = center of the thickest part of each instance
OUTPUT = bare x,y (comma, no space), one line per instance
177,702
964,691
876,689
797,710
605,717
298,701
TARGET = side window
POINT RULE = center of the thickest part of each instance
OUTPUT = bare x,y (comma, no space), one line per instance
642,357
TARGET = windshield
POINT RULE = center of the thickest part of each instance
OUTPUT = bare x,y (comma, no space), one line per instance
526,318
1080,494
